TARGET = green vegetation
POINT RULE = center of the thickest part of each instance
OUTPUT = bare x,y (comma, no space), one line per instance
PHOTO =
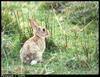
72,47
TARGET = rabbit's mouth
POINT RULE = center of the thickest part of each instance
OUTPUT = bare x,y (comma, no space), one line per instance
47,35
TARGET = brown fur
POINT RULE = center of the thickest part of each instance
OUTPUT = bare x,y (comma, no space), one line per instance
36,38
34,47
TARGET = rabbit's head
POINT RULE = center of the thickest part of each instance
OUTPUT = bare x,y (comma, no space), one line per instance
39,31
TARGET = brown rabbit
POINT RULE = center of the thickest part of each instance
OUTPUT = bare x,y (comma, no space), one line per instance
33,48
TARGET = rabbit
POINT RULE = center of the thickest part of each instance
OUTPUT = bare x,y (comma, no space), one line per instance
32,50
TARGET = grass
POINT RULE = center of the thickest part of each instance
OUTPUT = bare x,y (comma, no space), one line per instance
54,64
71,48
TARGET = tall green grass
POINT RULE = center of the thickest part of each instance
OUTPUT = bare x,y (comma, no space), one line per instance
72,47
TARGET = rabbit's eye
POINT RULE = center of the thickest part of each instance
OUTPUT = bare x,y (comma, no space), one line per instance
43,29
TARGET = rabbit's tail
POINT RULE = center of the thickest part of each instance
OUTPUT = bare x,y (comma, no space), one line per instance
33,62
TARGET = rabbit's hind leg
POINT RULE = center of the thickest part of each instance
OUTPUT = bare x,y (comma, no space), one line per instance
33,59
36,58
27,58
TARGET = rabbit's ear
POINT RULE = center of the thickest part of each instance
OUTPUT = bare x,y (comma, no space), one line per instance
33,24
